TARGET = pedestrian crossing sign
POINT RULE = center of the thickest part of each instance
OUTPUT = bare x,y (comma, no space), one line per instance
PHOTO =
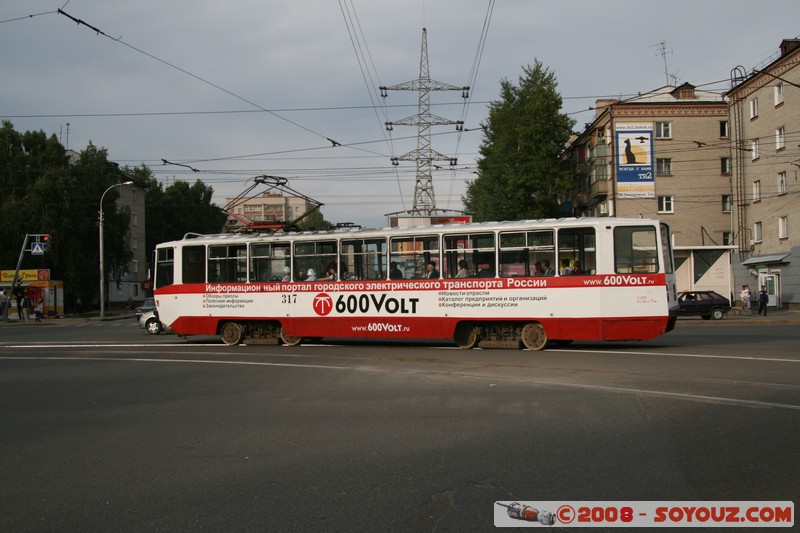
37,248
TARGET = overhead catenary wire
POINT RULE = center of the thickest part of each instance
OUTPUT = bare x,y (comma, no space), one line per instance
472,81
195,76
367,68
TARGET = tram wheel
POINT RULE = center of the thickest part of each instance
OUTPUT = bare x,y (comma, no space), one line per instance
533,336
231,333
466,335
288,340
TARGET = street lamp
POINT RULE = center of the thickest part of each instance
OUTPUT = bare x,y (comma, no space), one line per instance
102,268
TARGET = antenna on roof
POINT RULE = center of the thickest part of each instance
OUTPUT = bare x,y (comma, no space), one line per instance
661,50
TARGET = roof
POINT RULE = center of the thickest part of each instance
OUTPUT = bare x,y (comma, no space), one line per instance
761,259
670,94
788,47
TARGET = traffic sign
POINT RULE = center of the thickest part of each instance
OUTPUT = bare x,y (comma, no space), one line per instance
37,248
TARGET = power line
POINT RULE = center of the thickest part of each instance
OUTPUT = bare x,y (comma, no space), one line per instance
195,76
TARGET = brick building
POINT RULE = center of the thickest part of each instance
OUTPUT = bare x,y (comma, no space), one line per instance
666,155
765,124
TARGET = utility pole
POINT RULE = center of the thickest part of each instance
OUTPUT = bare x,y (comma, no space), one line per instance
424,154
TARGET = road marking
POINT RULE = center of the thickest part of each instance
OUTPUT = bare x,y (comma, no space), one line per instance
690,355
573,350
599,388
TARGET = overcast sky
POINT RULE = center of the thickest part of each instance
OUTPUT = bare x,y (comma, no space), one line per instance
249,87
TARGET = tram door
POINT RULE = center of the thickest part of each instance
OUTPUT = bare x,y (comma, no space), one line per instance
772,282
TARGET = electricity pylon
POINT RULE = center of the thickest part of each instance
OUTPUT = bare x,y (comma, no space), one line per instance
424,155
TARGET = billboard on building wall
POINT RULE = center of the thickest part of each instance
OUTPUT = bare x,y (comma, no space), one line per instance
635,172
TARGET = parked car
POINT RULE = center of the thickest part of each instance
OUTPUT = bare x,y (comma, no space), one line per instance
150,321
149,304
709,305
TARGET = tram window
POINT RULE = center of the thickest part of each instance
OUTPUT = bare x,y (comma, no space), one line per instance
165,267
635,250
194,264
411,254
227,263
316,255
268,261
519,252
576,247
362,259
476,250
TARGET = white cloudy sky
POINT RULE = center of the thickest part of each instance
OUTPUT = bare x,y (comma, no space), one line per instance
144,99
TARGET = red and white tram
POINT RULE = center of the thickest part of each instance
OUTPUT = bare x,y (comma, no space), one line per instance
480,284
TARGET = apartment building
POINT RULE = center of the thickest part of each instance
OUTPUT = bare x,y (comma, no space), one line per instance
765,122
133,283
664,154
265,210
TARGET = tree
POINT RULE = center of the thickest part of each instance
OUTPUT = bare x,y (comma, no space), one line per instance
40,192
178,209
524,136
314,222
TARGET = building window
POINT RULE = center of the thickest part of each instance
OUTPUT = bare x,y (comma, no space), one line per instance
780,138
783,227
725,165
757,232
779,93
134,243
663,167
135,218
726,238
663,130
781,182
665,204
754,149
727,203
754,108
135,265
724,130
757,191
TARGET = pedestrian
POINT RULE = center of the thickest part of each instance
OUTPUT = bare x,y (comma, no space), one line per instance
745,295
24,306
39,310
4,303
763,300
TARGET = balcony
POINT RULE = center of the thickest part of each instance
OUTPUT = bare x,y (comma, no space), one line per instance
599,189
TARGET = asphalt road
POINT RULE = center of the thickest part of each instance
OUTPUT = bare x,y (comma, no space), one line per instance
103,427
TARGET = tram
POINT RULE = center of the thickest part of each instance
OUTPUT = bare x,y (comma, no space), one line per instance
490,284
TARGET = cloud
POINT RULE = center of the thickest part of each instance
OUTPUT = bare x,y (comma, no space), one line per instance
298,60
